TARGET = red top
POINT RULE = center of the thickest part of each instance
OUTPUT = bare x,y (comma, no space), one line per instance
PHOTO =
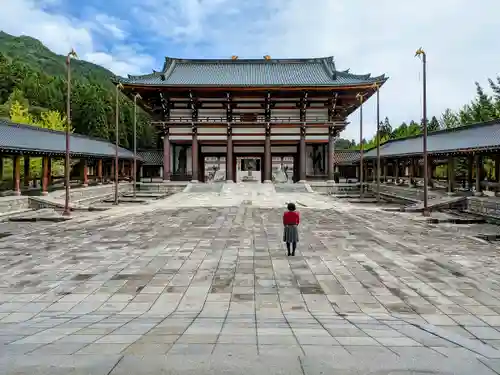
291,218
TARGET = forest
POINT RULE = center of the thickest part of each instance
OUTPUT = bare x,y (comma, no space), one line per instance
35,77
483,107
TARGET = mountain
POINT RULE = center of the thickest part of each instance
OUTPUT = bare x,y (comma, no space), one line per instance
32,52
29,70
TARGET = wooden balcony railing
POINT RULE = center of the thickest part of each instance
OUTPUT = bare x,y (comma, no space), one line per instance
247,120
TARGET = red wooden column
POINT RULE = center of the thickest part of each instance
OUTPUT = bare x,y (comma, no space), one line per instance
331,154
229,156
49,166
45,175
26,171
166,156
85,173
268,166
302,155
99,171
17,174
194,156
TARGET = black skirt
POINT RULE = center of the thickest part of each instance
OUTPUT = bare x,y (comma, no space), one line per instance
290,234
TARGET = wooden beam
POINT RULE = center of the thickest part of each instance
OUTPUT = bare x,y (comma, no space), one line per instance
229,108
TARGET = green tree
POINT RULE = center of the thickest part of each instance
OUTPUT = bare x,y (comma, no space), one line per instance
449,119
433,125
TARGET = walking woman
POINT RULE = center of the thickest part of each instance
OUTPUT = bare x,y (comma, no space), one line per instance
291,220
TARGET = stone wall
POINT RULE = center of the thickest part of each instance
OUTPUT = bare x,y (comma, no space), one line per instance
92,192
164,187
334,189
403,192
13,204
484,206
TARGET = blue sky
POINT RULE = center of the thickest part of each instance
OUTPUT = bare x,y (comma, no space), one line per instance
134,36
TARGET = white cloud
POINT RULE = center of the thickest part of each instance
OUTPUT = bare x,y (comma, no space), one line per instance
105,24
377,37
61,33
459,37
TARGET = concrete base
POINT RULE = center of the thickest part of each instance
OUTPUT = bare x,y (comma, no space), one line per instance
17,193
85,185
450,193
330,182
229,182
301,182
166,181
478,194
268,182
194,181
45,193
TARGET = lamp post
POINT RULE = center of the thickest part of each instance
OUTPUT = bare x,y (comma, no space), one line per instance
377,87
360,97
421,53
136,96
119,86
67,211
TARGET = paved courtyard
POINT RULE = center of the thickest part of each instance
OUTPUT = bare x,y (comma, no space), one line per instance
201,282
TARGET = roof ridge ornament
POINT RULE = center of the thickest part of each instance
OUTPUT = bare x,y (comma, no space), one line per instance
234,57
331,72
267,57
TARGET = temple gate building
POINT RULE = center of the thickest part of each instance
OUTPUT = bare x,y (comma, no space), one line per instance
250,119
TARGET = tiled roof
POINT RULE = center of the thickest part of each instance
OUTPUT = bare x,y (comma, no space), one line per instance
477,137
23,138
346,157
252,72
151,157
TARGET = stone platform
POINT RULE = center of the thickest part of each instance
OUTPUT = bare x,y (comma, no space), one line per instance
200,283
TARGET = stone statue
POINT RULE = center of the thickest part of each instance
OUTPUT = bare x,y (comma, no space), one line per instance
316,160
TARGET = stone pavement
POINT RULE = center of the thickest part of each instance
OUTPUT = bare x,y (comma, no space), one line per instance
183,287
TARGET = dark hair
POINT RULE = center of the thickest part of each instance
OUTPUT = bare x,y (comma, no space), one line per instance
291,206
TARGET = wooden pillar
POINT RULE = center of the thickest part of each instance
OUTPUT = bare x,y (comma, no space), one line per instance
302,155
16,171
451,174
396,170
26,160
411,172
229,156
85,173
1,168
99,171
194,156
479,166
166,156
267,156
50,169
331,154
430,171
45,175
385,167
470,172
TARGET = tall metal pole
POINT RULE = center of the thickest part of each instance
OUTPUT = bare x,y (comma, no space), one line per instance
361,146
67,211
421,52
118,86
378,142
